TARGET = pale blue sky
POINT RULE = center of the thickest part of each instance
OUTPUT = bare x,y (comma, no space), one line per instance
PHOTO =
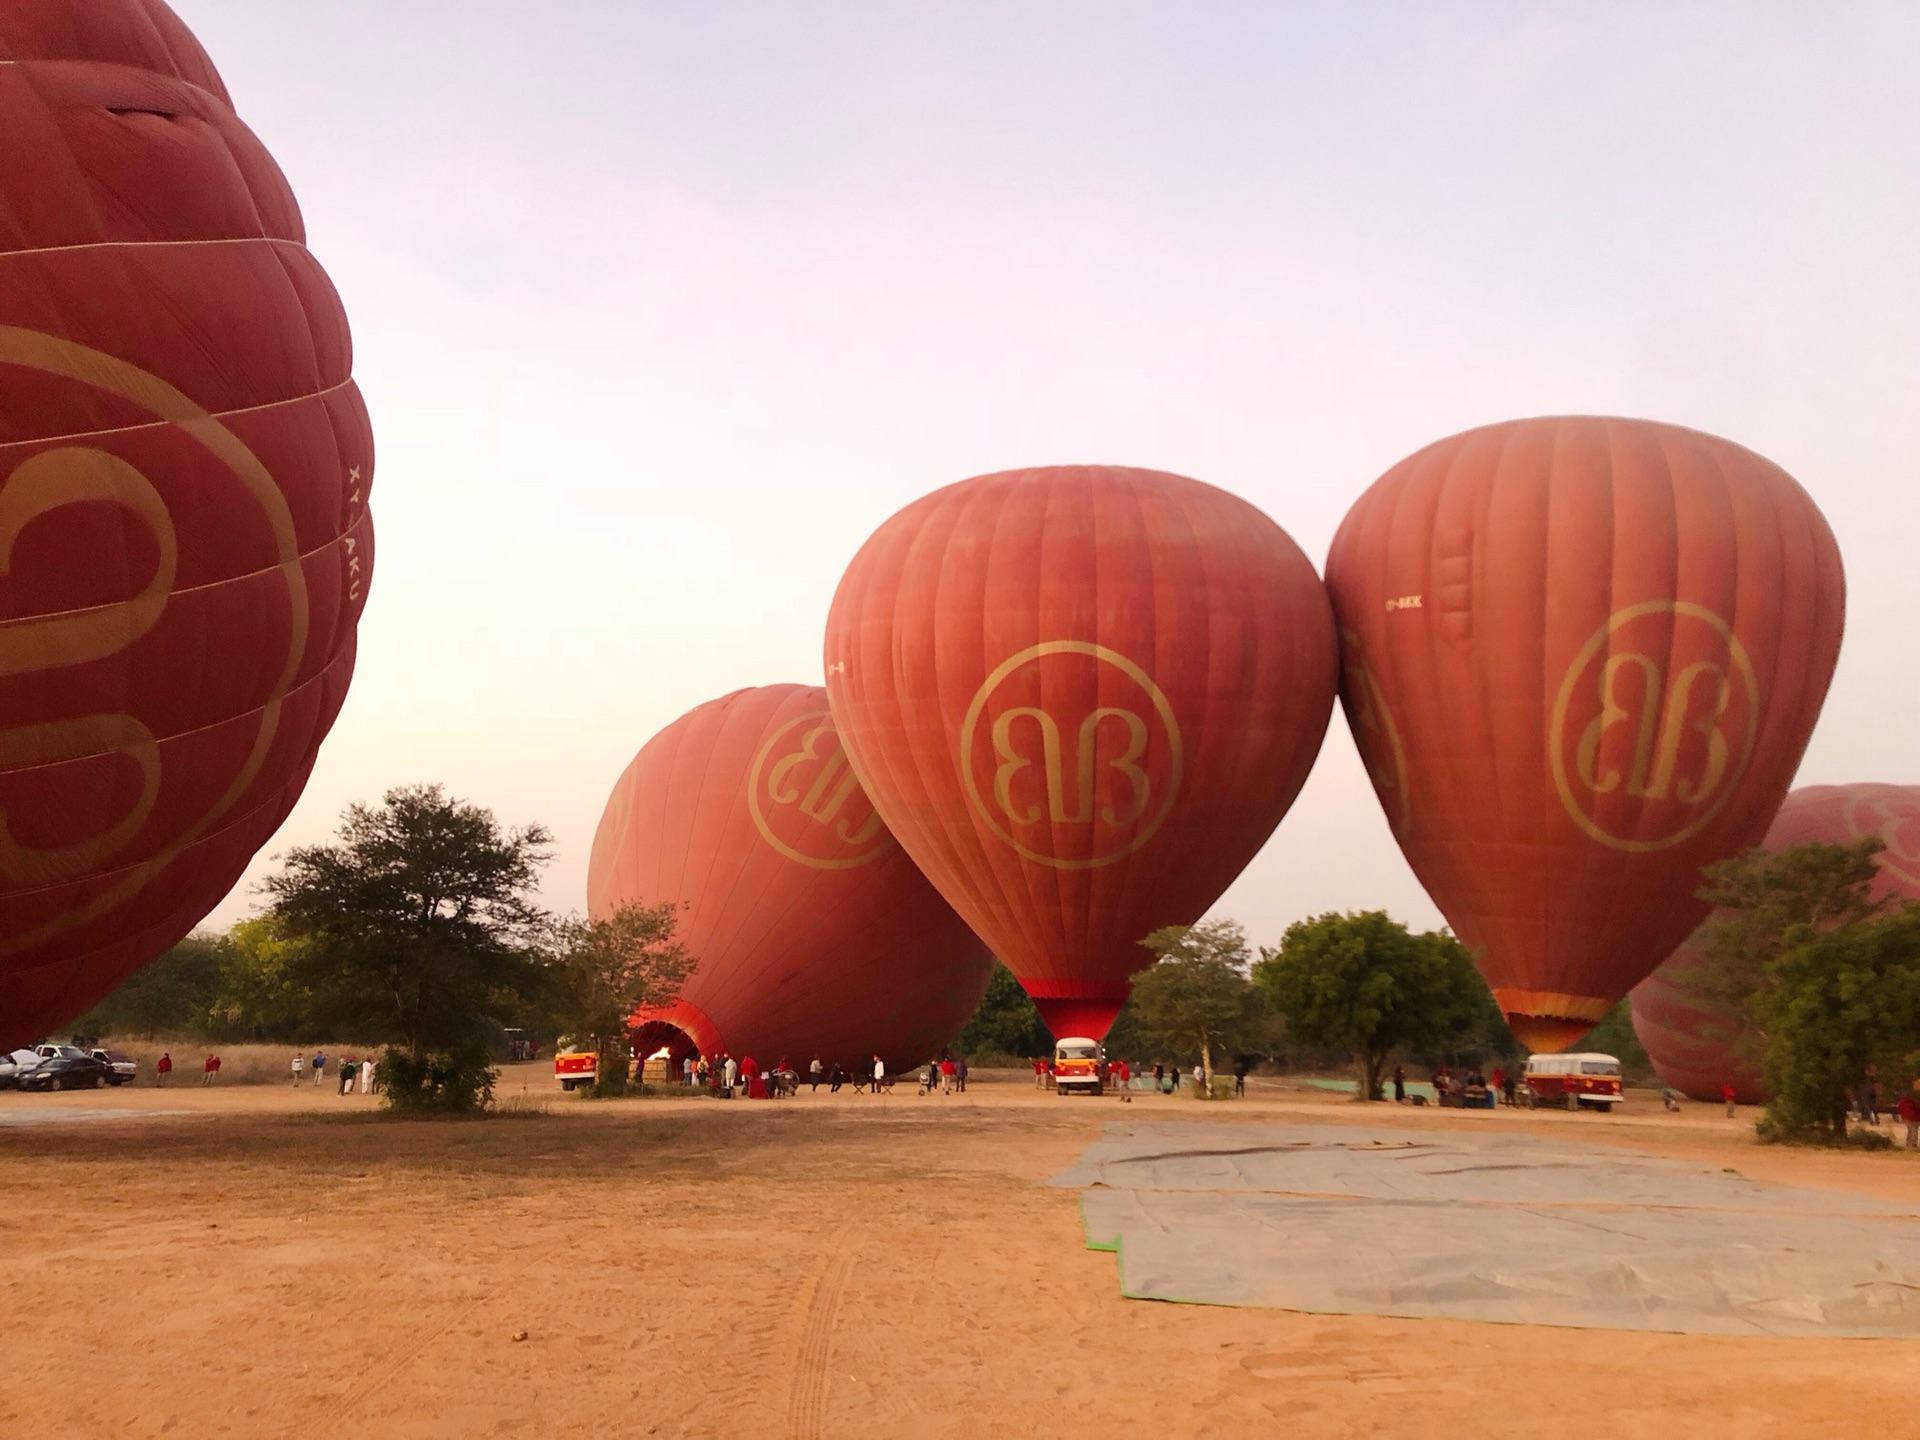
660,309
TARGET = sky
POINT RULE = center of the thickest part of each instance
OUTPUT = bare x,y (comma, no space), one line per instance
660,309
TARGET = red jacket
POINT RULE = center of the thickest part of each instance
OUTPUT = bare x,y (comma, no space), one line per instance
1909,1107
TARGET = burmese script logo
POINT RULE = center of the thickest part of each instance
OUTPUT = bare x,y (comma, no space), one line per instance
1376,734
71,474
1896,820
1654,725
807,802
1071,754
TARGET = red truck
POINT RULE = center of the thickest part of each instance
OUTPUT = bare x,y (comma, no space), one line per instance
574,1068
1572,1081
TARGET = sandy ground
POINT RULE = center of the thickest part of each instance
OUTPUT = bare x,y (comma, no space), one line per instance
269,1262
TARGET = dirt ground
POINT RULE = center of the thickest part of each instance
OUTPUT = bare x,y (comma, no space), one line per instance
276,1262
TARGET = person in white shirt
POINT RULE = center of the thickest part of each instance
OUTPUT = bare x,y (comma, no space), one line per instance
879,1073
299,1064
366,1076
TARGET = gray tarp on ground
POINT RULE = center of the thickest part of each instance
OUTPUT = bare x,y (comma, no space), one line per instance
1352,1220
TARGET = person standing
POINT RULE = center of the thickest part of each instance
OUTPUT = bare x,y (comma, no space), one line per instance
1909,1112
349,1068
880,1073
1159,1076
1039,1073
366,1076
1399,1084
319,1066
960,1073
946,1074
730,1074
1240,1068
1726,1094
1123,1074
206,1071
814,1071
1870,1097
1509,1086
162,1068
299,1069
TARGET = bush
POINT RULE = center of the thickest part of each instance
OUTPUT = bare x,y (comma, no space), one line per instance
1772,1132
447,1082
611,1077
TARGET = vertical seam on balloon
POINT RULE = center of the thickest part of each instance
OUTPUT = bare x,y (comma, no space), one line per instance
989,856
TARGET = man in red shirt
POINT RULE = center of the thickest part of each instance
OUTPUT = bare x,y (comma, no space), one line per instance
1909,1109
1726,1094
163,1068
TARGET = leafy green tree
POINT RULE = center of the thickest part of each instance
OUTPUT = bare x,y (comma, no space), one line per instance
1197,995
1768,898
1833,1002
258,999
1364,984
605,970
172,996
418,925
1007,1022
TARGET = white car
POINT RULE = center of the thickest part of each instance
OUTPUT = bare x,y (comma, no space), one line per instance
15,1064
124,1068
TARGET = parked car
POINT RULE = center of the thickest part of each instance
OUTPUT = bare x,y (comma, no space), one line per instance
57,1052
1573,1081
124,1068
13,1065
68,1072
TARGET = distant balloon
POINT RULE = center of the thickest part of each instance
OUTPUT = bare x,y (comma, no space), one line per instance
184,467
1692,1038
1082,697
814,932
1582,657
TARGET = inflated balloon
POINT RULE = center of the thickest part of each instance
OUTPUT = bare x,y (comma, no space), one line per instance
1581,658
184,467
1691,1036
814,933
1082,697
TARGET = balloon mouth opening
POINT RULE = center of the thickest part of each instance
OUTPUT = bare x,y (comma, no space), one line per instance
1545,1034
675,1026
1090,1016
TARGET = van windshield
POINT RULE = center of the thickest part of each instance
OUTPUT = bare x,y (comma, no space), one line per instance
1598,1067
1079,1052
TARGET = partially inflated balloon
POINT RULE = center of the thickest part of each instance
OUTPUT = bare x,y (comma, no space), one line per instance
1693,1038
1082,697
184,467
814,933
1581,659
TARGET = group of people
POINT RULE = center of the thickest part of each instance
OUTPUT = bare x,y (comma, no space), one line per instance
351,1070
1467,1086
163,1068
1867,1103
1120,1075
945,1076
724,1075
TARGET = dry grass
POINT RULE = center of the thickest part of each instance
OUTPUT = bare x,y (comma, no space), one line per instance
239,1064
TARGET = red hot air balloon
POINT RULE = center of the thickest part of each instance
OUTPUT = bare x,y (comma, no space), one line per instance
184,466
1691,1037
1082,697
814,933
1582,657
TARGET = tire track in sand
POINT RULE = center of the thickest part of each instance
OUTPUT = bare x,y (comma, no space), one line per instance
807,1402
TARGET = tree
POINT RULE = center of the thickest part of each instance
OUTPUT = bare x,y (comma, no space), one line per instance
605,970
1835,1002
1769,897
258,998
1007,1021
1197,995
173,995
419,924
1362,983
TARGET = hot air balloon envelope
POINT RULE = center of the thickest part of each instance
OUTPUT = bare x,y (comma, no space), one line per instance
815,934
1581,657
185,546
1082,697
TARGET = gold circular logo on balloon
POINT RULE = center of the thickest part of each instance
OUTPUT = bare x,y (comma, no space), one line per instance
1376,734
69,473
1654,725
1097,780
807,802
1896,821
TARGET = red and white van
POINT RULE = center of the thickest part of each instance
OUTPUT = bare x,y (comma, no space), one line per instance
1571,1081
1079,1063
